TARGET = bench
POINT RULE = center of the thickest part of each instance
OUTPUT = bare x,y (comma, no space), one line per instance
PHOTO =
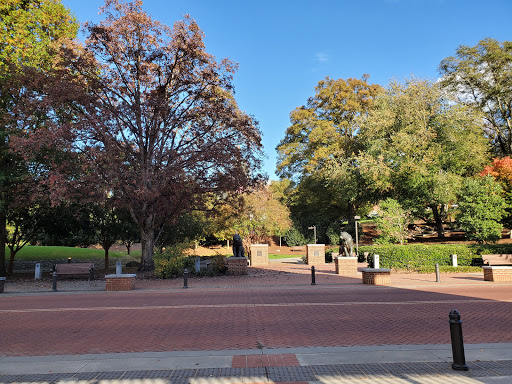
297,249
501,259
76,269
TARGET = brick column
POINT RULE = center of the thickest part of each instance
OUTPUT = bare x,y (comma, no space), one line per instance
376,276
498,274
315,254
237,266
346,265
259,255
123,282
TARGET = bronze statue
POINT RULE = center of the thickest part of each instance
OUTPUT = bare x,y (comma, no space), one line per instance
346,244
238,248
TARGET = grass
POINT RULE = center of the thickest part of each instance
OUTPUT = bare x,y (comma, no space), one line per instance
272,256
38,253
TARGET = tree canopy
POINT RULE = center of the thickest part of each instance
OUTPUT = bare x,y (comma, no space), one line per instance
418,147
155,117
481,77
31,33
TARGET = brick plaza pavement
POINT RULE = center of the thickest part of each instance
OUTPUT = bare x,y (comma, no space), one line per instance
255,315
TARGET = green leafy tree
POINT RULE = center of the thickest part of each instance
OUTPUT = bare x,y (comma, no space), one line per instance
419,146
481,77
392,222
318,152
482,206
30,33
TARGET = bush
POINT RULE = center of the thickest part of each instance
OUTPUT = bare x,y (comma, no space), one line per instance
293,237
416,257
172,262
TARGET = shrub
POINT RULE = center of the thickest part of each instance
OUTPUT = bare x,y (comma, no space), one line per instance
482,207
293,237
172,262
415,257
392,223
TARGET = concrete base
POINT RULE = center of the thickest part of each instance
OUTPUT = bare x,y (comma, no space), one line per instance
237,266
497,274
346,265
374,276
123,282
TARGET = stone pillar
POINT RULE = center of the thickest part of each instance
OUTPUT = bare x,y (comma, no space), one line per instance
376,261
315,254
38,271
454,260
259,255
119,267
346,265
237,266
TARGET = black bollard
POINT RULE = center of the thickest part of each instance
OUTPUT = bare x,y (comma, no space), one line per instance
54,282
185,278
438,279
313,282
459,360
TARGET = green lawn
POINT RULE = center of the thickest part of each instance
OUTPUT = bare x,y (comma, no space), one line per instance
274,256
54,253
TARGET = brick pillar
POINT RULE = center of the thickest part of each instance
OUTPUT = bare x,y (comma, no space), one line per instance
374,276
237,266
497,274
346,265
315,254
123,282
259,255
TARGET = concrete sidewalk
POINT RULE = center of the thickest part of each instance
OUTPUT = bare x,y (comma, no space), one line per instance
488,363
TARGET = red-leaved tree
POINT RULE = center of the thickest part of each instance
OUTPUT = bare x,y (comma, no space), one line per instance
153,117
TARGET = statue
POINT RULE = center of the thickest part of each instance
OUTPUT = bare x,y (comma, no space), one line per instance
346,244
238,248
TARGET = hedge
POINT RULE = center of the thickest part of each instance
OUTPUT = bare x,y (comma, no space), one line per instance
421,256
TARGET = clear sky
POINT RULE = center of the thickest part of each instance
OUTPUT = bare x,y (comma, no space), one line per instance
285,47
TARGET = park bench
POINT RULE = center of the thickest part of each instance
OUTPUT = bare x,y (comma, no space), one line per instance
76,269
501,259
297,249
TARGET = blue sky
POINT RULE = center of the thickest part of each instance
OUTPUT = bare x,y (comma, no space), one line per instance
285,47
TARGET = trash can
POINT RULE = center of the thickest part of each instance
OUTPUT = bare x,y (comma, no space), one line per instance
2,283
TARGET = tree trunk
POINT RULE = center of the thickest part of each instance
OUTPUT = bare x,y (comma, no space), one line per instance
12,255
438,221
148,244
106,258
3,240
128,248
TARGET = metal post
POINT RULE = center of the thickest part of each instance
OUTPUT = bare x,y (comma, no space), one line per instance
54,282
185,278
357,237
313,282
69,260
314,231
438,278
459,360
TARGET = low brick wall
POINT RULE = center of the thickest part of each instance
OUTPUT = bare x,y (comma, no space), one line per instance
373,276
346,265
315,254
124,282
237,266
259,255
497,274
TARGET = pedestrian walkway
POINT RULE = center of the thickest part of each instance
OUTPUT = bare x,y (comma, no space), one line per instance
269,327
488,363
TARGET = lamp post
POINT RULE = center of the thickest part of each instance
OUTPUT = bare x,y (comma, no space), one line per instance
314,229
357,239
